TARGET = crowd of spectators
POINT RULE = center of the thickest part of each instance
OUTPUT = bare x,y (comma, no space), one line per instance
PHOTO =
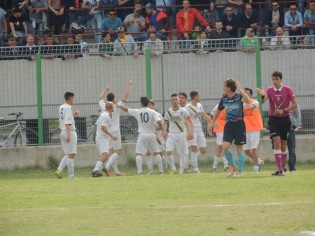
117,25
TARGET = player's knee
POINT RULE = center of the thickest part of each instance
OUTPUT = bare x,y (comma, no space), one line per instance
168,153
203,151
193,148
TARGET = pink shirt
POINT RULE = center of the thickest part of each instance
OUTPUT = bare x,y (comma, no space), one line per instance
279,99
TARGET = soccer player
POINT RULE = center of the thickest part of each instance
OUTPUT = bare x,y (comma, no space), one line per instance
234,129
115,145
218,128
254,125
197,112
146,141
103,137
182,96
159,138
180,129
281,101
68,136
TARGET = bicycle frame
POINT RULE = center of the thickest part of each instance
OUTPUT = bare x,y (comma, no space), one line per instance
18,126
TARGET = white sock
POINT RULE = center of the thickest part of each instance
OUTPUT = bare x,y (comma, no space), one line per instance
70,166
114,165
256,168
171,162
187,160
225,162
149,161
111,160
194,160
63,163
158,160
139,164
98,166
215,162
164,163
182,163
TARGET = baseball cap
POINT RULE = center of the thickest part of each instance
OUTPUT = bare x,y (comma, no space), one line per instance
149,5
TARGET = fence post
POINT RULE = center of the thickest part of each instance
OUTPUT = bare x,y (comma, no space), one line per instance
148,72
258,75
39,99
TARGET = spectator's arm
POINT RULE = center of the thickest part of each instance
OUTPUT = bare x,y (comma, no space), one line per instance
51,7
5,26
300,24
12,29
25,27
286,20
201,19
297,115
122,2
179,24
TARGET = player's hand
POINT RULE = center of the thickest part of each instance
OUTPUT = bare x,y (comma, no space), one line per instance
261,91
114,137
130,82
165,135
190,136
76,113
238,85
279,112
210,126
68,138
107,88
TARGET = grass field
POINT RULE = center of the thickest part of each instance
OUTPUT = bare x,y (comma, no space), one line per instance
33,202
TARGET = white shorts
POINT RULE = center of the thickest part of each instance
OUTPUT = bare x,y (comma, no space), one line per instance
161,142
115,144
147,142
102,146
219,138
199,139
71,147
252,140
177,140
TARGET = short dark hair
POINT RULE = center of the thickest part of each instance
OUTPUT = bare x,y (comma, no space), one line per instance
193,94
250,90
293,4
104,34
68,95
112,10
144,101
230,83
174,95
110,97
277,74
182,94
50,35
152,33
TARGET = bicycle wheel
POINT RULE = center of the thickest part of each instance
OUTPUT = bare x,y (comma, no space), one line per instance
55,137
127,134
26,138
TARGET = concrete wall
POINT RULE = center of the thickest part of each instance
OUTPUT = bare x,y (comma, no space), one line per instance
170,73
87,154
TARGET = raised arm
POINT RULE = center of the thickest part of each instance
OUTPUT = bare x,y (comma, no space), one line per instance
262,92
127,91
241,90
104,92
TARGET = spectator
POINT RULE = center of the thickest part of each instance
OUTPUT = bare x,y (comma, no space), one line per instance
125,44
30,48
56,15
219,33
164,5
186,20
70,13
36,9
106,47
84,47
13,52
249,41
280,41
71,49
108,4
3,27
231,22
236,6
50,50
274,18
156,21
309,21
294,22
202,45
22,5
127,8
154,44
135,23
18,26
248,19
111,24
196,34
219,8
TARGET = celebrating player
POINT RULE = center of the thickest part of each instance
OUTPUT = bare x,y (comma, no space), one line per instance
103,137
68,136
282,100
197,112
146,141
180,129
234,129
115,145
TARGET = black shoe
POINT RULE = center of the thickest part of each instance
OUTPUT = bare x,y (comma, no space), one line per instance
278,173
96,174
293,169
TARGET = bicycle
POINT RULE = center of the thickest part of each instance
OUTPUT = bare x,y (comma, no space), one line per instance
22,135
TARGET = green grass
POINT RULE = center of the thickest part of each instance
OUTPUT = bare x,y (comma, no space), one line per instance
33,202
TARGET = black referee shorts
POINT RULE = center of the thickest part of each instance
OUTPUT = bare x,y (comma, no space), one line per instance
279,126
235,131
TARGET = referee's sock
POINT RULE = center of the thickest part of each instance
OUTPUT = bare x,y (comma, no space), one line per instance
240,161
228,155
284,156
278,157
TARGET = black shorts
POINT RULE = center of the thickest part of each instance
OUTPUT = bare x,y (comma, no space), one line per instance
235,131
279,126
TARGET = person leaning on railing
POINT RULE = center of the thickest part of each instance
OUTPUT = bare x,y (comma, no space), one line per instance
12,52
106,47
18,26
111,24
248,19
125,44
249,41
30,49
3,27
135,22
201,45
309,21
50,50
70,49
154,44
274,18
231,22
219,33
293,20
280,41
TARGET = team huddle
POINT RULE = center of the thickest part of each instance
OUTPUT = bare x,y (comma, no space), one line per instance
235,119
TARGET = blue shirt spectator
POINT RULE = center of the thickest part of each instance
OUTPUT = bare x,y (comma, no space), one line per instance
293,19
111,23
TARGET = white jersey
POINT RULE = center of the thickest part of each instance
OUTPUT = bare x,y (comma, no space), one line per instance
104,120
195,113
146,118
115,123
176,119
66,117
186,105
214,110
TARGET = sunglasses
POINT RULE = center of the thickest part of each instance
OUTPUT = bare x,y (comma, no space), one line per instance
274,5
111,14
